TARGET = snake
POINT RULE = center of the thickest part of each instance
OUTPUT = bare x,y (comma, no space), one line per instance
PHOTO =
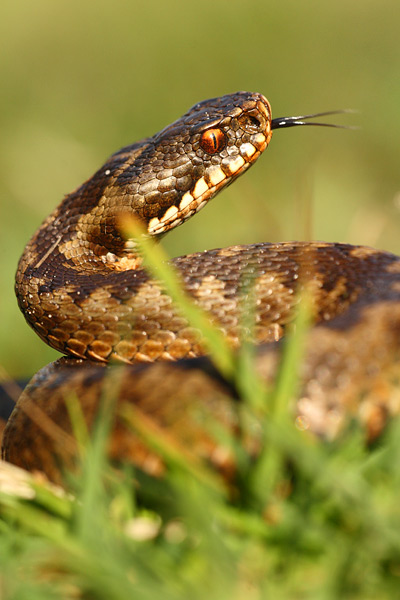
82,286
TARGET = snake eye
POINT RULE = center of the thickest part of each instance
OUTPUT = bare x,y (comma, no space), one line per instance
212,141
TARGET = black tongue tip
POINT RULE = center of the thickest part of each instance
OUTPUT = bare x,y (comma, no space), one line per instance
282,122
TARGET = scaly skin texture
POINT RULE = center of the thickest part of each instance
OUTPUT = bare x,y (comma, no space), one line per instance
78,282
81,287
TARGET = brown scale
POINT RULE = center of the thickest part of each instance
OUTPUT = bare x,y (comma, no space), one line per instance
80,286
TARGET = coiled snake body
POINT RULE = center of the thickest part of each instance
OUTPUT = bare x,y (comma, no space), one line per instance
81,287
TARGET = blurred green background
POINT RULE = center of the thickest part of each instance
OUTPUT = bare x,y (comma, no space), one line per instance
79,79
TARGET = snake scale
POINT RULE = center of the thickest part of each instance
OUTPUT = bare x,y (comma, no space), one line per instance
81,287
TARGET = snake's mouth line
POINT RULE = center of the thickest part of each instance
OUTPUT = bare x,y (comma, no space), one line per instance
209,184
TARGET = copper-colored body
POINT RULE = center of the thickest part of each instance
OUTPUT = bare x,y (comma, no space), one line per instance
80,286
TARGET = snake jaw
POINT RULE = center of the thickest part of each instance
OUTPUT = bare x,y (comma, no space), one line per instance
232,143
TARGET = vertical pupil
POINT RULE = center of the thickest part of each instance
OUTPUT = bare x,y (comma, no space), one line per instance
212,141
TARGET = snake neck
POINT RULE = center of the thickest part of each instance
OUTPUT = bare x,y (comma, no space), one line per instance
161,181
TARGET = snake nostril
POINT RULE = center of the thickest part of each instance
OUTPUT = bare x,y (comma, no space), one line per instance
254,121
250,121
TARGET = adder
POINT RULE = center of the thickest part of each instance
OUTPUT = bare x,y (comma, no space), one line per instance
81,285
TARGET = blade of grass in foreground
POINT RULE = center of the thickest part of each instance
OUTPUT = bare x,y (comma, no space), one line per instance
156,261
272,403
95,464
172,452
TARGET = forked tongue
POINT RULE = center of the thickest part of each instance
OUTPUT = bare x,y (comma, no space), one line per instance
282,122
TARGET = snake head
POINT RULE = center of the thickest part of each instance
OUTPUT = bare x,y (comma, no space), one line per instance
162,180
196,156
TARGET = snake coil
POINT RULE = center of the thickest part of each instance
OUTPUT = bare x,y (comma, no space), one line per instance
80,285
